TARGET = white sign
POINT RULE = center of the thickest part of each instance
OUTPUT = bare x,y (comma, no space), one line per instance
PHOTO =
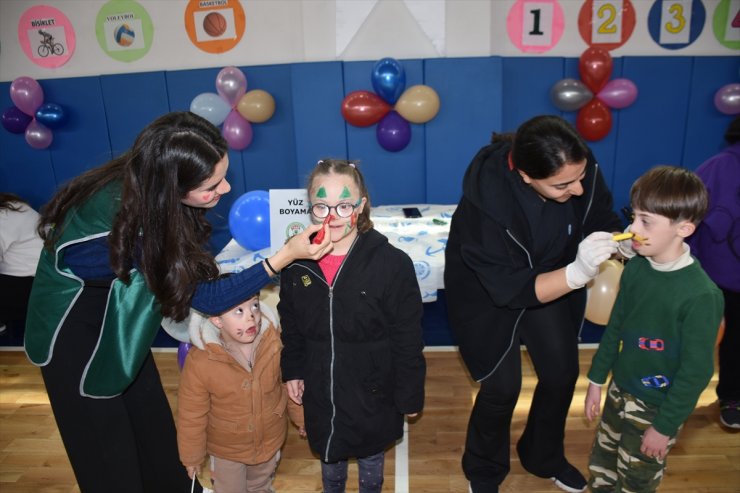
289,215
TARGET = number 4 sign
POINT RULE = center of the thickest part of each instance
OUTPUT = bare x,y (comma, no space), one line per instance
607,24
535,26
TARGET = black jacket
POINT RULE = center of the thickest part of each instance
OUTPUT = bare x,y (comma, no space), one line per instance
490,267
357,345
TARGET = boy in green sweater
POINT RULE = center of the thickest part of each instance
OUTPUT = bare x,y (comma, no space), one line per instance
659,342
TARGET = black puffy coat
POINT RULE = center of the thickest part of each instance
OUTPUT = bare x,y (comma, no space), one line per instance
357,345
490,265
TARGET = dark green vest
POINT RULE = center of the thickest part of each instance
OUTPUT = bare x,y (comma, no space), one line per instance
132,316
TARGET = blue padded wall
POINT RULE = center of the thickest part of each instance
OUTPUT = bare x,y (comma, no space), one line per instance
673,121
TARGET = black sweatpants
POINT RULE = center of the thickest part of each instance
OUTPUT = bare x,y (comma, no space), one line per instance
550,333
728,387
125,444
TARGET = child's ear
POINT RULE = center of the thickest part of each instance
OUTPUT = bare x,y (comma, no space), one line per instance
216,321
686,229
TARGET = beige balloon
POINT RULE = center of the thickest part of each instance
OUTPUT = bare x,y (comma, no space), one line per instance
256,106
602,292
418,104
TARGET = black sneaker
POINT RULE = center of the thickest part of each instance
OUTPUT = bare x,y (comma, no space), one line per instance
729,413
570,480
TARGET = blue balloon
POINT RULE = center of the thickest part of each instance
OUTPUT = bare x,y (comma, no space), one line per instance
389,79
249,220
51,115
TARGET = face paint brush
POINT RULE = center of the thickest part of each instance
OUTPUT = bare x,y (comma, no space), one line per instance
322,232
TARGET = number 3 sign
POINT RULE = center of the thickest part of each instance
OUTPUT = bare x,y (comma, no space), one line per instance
535,26
607,24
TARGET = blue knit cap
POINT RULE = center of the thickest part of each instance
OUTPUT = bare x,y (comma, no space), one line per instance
217,297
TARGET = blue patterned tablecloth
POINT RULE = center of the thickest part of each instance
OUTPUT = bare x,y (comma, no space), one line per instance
424,240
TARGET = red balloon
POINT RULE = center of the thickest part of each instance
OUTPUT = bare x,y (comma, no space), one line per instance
364,108
595,67
594,120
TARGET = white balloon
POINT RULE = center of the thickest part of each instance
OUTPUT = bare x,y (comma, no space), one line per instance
210,106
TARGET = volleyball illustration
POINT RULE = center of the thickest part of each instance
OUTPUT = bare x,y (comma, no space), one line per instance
214,24
124,35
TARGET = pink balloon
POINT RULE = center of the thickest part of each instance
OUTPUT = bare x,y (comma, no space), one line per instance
618,93
38,136
231,84
727,99
26,94
237,131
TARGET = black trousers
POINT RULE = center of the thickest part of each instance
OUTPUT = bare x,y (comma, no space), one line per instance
550,333
728,388
14,300
125,444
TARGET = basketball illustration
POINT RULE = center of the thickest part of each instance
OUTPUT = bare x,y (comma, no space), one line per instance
124,35
214,24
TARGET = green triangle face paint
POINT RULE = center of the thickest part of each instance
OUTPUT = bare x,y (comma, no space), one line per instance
345,193
321,194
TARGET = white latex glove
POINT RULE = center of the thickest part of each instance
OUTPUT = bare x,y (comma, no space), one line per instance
592,251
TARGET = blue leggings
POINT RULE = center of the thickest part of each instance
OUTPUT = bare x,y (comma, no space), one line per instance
334,475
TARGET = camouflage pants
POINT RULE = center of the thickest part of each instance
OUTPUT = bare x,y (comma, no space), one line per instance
616,463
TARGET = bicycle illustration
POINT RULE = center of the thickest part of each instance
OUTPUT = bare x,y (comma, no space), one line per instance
48,46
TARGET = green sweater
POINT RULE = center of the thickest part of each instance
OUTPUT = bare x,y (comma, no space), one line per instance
659,343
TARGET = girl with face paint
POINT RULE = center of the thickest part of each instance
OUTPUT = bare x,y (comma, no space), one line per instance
352,338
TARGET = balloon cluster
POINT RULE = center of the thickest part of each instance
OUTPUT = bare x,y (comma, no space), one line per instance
390,106
249,220
234,107
727,99
594,119
30,115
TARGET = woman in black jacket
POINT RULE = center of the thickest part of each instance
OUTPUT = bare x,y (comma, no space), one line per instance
351,330
515,262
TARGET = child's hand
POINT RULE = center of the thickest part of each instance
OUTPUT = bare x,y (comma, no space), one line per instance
193,471
302,431
654,444
593,401
295,390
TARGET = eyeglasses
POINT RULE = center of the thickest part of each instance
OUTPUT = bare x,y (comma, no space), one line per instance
343,209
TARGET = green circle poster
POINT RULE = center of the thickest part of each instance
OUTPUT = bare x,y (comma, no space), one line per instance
124,30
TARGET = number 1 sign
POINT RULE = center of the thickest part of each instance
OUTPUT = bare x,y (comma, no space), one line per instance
535,26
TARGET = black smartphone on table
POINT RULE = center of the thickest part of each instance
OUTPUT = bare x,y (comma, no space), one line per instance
411,212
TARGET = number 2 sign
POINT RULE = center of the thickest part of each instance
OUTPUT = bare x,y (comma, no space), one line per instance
535,26
607,24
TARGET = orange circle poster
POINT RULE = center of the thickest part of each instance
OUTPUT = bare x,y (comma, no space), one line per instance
215,26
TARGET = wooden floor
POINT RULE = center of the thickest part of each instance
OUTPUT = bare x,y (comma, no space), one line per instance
706,458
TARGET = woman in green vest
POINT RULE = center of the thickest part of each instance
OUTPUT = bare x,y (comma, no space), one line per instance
125,246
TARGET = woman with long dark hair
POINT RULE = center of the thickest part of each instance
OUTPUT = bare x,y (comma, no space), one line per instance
125,246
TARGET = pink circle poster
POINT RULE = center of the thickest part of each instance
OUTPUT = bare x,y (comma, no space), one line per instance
535,26
46,36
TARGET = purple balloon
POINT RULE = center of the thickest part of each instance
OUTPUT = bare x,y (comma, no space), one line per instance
618,93
393,132
51,115
15,121
231,84
237,131
26,94
727,99
38,136
182,352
